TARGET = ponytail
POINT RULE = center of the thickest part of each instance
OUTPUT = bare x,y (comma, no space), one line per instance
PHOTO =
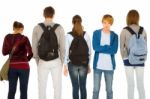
77,26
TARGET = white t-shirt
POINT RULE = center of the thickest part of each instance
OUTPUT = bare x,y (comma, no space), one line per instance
104,60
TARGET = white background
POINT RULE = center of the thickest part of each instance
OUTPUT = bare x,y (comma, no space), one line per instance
30,12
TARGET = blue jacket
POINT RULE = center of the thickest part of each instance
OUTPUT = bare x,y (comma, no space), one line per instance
107,49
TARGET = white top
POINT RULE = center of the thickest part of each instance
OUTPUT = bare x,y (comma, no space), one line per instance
68,41
104,60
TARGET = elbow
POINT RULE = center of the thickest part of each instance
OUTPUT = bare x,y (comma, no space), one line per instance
114,52
30,57
94,48
4,52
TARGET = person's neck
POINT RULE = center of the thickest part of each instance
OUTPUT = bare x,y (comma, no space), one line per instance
107,31
49,19
17,32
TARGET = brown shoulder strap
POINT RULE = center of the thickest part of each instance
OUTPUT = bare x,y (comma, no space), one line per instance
14,47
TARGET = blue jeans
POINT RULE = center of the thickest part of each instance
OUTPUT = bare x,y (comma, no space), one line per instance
78,75
97,83
13,76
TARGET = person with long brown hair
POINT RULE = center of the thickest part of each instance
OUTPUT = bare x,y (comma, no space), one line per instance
77,57
132,21
19,66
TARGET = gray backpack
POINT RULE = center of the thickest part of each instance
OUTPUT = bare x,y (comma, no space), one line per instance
137,47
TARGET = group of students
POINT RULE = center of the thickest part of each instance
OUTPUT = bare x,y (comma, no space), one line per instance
75,58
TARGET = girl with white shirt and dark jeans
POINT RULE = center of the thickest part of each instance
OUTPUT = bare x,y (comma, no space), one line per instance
133,23
78,72
105,45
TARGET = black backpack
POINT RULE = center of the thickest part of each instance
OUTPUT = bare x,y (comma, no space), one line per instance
48,44
79,51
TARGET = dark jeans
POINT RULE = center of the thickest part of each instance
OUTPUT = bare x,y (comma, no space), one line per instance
13,76
78,75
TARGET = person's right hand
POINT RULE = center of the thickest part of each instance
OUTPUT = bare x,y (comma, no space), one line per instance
89,69
65,70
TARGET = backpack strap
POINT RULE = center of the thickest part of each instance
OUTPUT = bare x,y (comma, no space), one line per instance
45,28
140,31
71,33
55,26
83,33
132,32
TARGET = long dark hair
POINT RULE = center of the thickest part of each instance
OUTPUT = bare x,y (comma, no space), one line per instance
77,26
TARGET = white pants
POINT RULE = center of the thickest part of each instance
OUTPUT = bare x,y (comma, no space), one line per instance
55,67
139,71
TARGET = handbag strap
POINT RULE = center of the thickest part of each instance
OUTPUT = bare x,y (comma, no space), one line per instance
13,49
